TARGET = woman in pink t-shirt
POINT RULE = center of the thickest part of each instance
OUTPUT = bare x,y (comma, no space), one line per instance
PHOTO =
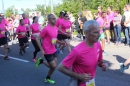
3,39
66,31
10,29
22,32
35,30
111,18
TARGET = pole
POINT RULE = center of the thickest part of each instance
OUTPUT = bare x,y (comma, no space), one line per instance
45,5
3,7
51,6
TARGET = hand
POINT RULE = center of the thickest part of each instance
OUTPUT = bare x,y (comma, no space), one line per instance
63,43
104,66
84,77
125,24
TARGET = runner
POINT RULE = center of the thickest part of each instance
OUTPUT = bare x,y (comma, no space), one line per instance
58,21
84,58
123,66
102,22
3,39
64,29
48,49
4,22
21,32
27,24
35,31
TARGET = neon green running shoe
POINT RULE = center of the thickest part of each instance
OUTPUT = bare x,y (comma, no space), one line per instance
49,81
38,62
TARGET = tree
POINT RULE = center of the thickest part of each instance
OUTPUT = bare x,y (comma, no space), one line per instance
9,12
40,8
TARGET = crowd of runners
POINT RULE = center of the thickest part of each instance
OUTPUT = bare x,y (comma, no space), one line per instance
57,34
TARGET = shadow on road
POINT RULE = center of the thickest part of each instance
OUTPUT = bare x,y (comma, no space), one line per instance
119,58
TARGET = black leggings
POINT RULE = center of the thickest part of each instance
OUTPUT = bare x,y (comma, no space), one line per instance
37,49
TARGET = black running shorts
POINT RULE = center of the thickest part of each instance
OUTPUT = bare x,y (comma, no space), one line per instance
50,57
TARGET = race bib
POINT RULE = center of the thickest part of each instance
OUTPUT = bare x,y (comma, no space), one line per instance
3,32
23,34
67,30
26,25
91,82
54,40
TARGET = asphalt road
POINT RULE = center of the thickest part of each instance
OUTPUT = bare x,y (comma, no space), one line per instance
21,70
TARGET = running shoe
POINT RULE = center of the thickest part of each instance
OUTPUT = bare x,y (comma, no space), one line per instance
104,53
61,52
27,47
122,67
8,49
6,58
38,62
49,81
24,51
34,60
21,53
57,51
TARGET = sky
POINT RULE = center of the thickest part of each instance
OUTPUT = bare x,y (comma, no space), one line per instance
18,4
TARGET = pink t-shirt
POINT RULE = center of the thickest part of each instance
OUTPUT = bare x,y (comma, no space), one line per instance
107,19
111,16
101,22
10,26
66,25
2,32
83,59
4,21
35,27
26,21
21,29
49,35
59,20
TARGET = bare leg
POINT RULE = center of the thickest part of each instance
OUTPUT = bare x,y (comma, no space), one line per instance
5,49
127,62
68,45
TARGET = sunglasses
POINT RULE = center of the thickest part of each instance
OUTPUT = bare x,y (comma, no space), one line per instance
66,16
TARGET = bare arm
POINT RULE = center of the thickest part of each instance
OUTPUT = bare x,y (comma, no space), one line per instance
39,43
100,62
68,72
61,30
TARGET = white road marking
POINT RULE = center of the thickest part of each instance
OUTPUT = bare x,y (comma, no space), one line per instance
22,60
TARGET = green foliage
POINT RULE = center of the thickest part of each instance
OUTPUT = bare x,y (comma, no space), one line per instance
9,12
75,6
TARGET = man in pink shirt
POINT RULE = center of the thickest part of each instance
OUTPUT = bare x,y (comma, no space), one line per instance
58,22
4,22
84,58
21,32
48,49
27,23
3,39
